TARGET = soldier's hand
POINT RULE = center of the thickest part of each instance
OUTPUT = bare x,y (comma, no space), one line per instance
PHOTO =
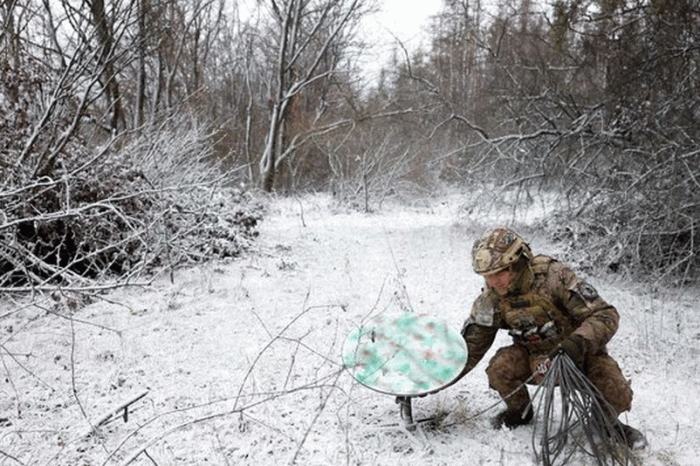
574,347
543,367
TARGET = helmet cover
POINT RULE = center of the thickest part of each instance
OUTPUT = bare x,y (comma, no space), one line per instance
498,249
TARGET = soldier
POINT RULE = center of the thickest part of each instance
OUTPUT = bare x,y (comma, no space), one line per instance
546,309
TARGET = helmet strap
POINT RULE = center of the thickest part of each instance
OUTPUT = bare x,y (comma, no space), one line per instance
524,277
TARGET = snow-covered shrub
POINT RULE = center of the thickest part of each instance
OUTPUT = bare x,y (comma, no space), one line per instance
100,213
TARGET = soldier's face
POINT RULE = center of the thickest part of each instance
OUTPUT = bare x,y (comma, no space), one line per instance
500,281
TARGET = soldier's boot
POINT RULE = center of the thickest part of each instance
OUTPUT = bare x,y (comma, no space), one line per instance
512,418
634,439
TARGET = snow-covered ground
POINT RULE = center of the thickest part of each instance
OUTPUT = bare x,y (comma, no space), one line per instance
240,362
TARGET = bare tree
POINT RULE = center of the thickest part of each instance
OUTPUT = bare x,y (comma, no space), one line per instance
307,33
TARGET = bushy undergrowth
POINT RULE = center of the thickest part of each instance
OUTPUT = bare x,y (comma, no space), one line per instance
75,211
649,232
154,203
641,240
650,237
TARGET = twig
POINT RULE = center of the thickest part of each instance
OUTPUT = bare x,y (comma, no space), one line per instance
270,396
301,211
45,384
72,373
124,406
12,383
80,321
77,289
398,273
320,410
7,455
262,323
150,457
267,346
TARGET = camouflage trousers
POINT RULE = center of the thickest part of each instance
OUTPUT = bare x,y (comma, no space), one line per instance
512,365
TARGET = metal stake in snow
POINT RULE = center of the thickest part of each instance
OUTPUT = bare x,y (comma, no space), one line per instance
408,355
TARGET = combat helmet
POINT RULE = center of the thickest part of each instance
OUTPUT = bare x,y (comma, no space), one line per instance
498,249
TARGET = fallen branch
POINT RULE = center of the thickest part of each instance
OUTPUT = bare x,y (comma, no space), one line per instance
122,407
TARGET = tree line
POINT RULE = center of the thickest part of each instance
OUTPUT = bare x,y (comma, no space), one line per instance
592,101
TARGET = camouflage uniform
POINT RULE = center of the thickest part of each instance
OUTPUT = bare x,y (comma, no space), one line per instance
546,304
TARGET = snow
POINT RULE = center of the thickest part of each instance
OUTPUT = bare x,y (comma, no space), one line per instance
241,359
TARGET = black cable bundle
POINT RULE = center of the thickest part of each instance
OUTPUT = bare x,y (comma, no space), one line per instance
581,421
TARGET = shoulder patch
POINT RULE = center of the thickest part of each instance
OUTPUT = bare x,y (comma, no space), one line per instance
586,291
483,310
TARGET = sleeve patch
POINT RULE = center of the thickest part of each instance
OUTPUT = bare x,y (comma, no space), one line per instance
586,291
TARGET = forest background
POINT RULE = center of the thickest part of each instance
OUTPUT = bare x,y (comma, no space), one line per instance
138,137
134,132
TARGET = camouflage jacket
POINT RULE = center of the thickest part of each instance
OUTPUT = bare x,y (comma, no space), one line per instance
552,304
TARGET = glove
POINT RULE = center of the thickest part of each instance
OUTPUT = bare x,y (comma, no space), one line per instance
573,346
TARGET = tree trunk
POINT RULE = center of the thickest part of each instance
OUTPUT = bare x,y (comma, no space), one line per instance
104,36
9,39
269,158
141,77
